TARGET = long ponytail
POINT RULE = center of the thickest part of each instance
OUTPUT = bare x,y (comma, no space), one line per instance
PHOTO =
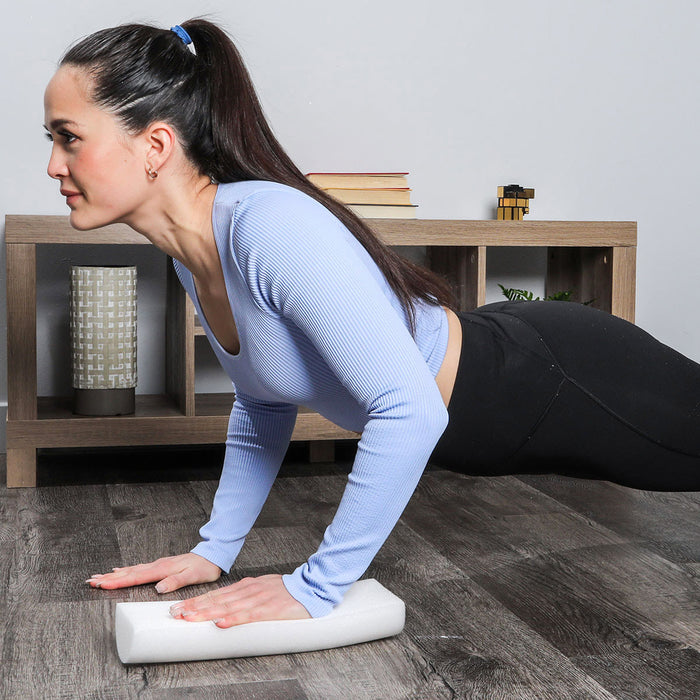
144,74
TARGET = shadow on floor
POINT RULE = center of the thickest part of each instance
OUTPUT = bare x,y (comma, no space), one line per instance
110,465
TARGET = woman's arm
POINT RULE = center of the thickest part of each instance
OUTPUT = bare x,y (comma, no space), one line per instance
257,440
301,263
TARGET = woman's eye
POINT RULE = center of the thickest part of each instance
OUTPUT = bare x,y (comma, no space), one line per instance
48,136
66,137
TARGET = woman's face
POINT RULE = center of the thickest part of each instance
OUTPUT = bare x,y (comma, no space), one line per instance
101,168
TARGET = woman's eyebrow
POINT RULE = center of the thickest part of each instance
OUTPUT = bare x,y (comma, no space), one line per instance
57,123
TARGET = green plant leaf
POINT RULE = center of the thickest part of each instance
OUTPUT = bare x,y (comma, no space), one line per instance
525,295
517,294
560,296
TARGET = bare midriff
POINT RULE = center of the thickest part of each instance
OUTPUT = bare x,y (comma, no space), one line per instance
445,378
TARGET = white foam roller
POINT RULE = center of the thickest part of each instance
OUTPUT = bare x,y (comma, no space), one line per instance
147,633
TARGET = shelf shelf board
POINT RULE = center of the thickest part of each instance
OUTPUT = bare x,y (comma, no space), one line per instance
452,232
21,228
431,232
156,421
147,406
309,426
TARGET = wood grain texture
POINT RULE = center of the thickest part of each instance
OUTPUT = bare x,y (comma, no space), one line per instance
664,523
449,232
57,229
263,690
651,669
179,338
52,523
21,467
489,523
483,650
21,332
63,651
157,421
624,282
8,531
465,269
604,275
477,268
585,610
529,587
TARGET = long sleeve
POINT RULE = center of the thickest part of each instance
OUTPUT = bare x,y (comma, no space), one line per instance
300,263
257,439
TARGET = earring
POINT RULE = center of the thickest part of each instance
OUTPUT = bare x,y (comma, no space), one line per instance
153,174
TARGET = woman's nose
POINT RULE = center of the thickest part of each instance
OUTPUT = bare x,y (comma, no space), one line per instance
57,167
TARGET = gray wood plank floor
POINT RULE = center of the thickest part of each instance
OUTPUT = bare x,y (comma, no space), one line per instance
516,587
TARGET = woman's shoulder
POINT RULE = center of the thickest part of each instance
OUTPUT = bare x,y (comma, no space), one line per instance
270,214
257,192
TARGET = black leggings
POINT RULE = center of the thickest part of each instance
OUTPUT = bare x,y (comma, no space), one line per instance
557,387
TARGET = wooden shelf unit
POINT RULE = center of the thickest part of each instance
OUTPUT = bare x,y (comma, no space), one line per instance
597,259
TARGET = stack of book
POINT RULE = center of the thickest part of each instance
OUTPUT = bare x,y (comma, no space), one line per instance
514,202
370,195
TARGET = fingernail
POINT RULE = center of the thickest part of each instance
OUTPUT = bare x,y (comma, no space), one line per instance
161,587
187,613
94,584
216,622
175,610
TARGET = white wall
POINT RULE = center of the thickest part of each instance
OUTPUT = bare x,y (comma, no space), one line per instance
594,104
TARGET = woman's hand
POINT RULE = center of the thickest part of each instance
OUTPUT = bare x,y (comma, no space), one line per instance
171,573
248,600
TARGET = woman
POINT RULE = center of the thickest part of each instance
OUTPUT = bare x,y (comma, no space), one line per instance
161,129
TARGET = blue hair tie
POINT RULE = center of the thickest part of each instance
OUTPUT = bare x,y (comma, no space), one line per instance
186,38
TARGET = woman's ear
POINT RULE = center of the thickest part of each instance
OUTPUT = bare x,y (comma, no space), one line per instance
160,143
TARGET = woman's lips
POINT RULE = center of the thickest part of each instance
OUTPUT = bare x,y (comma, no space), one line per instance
71,197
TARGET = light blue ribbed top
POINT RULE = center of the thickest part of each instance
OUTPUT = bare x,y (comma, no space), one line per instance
319,327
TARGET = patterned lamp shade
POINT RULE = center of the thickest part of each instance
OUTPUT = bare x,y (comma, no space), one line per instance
103,339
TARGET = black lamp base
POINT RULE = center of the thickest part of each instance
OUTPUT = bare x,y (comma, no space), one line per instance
104,402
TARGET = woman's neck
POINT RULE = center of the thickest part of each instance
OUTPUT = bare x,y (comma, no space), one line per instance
178,221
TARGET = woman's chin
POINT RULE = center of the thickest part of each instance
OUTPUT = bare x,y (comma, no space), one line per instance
80,222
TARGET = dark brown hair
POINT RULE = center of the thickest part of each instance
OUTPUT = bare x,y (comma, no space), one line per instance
144,74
